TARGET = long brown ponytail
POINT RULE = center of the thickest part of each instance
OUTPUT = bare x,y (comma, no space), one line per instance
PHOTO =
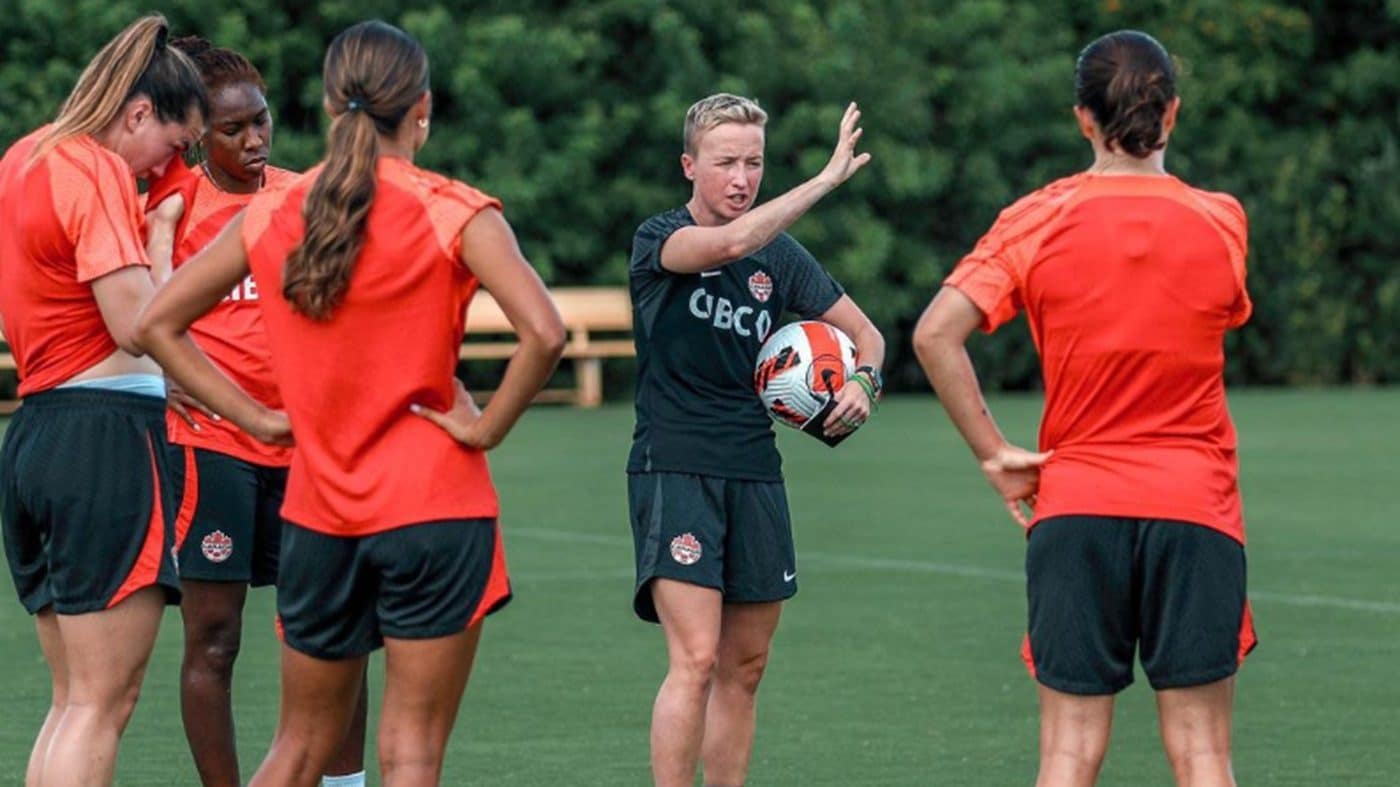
374,73
136,62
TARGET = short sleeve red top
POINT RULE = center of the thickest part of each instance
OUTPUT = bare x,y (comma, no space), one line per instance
66,218
1129,284
363,463
231,335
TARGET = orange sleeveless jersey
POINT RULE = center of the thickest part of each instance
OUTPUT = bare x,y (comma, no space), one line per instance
363,463
66,219
232,334
1129,284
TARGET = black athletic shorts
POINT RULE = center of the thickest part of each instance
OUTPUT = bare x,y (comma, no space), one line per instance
338,597
1099,587
228,527
87,509
731,535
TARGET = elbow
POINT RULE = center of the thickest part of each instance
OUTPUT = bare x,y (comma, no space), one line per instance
142,335
929,340
550,336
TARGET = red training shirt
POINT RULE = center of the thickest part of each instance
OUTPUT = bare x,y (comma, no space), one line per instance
1129,284
363,463
66,218
231,335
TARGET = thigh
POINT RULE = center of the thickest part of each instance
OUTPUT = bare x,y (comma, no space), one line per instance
423,684
678,531
691,617
326,591
438,578
1082,614
106,652
760,562
746,633
1196,623
218,510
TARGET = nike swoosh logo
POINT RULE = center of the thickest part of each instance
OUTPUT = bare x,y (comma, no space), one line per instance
789,577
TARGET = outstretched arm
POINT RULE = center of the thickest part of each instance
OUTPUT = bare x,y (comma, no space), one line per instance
940,341
694,249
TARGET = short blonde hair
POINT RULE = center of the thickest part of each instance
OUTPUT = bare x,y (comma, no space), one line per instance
716,110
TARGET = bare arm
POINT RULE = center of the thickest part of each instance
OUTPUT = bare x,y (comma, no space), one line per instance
161,224
489,248
853,404
694,249
196,288
940,340
120,296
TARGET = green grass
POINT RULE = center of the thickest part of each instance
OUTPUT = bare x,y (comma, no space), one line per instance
897,663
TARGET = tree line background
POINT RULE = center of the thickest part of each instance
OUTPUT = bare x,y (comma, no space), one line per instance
571,112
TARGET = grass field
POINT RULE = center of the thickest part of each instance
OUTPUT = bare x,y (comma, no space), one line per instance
897,663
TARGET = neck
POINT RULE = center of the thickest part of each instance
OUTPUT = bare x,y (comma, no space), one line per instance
396,147
1108,162
226,182
703,217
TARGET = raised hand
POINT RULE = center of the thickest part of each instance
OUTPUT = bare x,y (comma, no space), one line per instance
844,161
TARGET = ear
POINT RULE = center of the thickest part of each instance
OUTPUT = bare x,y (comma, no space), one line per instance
1088,126
137,111
688,166
1169,117
423,108
326,105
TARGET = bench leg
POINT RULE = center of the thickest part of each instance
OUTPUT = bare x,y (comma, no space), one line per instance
589,374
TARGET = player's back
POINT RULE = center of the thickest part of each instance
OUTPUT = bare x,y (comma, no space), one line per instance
1129,284
363,462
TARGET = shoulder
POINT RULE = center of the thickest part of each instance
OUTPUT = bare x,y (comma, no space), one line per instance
81,162
1034,210
1223,208
268,202
276,177
664,223
436,188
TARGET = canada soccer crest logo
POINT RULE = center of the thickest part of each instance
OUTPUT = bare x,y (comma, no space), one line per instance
216,547
761,285
686,549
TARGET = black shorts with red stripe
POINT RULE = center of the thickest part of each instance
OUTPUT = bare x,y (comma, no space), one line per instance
229,524
88,513
338,597
1100,588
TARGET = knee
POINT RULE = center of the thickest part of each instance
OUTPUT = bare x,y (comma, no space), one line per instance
1202,752
745,672
106,705
400,751
213,648
693,668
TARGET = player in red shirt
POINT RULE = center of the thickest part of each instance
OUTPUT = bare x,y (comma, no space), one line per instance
1129,279
83,494
231,485
365,266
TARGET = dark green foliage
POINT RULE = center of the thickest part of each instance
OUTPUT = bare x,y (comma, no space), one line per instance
571,112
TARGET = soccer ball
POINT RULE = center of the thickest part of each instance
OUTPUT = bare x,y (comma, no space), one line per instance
800,368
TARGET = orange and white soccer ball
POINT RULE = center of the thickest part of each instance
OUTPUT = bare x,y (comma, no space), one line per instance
800,368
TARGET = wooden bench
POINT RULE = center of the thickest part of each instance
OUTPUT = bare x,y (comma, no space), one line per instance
587,312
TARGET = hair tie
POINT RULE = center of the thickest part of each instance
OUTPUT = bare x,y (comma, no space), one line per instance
354,105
